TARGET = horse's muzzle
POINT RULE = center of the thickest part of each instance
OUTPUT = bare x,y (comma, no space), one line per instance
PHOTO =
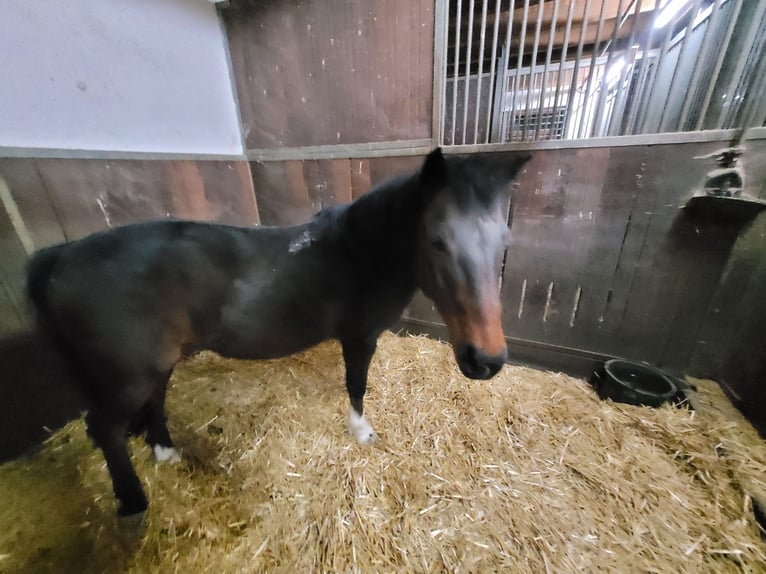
475,364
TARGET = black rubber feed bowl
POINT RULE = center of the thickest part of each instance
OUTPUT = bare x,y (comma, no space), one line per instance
635,384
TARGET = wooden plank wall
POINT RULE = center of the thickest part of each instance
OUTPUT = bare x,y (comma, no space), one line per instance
320,72
604,260
53,200
731,347
604,263
290,192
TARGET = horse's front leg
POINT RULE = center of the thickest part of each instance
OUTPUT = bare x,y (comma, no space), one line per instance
357,353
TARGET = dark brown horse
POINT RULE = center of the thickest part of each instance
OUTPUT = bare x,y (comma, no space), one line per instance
126,304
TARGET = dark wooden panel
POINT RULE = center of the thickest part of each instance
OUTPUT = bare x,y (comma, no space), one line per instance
280,191
754,161
368,173
731,347
678,267
744,369
328,181
291,192
614,232
383,168
538,355
14,316
33,201
361,180
319,72
62,199
212,191
738,302
557,227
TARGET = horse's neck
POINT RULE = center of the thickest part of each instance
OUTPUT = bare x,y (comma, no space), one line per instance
382,228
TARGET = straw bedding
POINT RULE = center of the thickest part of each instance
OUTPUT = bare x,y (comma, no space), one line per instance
528,472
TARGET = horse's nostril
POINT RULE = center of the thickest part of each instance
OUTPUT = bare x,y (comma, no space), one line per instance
467,355
475,364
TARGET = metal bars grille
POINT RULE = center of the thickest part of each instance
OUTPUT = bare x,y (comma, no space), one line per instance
528,70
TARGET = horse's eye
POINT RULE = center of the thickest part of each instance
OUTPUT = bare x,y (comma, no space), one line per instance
439,245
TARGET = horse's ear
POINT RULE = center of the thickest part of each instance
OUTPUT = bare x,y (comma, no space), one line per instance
433,174
505,171
512,166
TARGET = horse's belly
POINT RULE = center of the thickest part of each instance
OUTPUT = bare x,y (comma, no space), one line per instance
273,327
264,345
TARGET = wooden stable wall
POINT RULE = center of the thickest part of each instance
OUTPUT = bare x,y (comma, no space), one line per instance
604,262
322,72
336,97
290,192
48,201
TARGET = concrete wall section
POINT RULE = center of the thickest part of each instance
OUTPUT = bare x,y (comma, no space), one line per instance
123,75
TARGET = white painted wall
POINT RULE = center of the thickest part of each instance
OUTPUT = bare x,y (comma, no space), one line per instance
122,75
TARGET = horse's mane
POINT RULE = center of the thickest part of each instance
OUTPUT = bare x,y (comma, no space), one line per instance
381,226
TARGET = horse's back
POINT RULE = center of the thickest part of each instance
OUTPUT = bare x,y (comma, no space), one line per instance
149,293
139,294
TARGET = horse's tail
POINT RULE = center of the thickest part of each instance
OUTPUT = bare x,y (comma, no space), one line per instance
39,269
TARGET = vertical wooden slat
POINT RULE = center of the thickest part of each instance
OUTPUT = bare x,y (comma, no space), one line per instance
657,67
643,71
616,119
549,53
754,114
717,66
519,63
360,177
482,38
532,64
736,76
563,58
592,73
576,72
679,63
456,69
493,81
604,76
702,56
467,82
441,28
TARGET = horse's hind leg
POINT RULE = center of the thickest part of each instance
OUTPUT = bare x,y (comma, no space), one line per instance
109,431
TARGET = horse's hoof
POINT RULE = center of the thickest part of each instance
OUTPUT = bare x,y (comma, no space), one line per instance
370,438
132,527
361,429
166,454
128,517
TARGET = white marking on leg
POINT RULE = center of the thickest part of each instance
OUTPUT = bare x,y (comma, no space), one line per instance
166,454
360,428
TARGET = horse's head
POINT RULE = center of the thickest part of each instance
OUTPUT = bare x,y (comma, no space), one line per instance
462,238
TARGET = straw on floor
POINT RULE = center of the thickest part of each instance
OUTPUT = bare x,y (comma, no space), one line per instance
528,472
